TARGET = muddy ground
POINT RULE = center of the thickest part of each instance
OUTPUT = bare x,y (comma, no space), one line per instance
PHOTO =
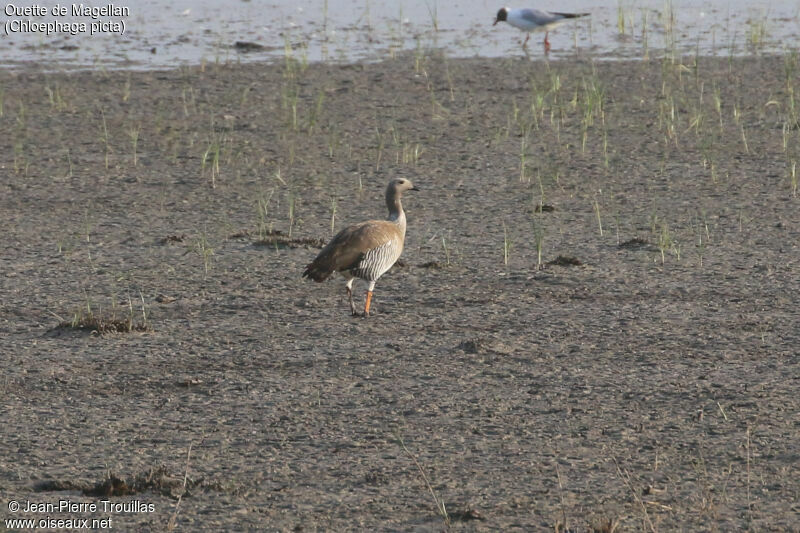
642,376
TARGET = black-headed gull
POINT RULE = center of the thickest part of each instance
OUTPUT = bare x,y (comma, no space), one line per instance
529,20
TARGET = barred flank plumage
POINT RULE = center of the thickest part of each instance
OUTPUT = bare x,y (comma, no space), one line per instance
375,262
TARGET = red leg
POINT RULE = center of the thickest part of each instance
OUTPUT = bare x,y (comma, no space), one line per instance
546,43
525,42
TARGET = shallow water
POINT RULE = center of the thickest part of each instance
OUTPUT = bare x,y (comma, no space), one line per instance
164,33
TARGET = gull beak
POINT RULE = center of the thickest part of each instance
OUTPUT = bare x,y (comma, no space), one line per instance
414,188
495,22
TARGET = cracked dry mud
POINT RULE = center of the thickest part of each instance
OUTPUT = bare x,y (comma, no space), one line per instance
613,386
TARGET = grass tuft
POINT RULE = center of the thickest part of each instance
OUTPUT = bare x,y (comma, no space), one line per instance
100,324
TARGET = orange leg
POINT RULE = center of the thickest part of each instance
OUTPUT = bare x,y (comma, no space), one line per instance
369,301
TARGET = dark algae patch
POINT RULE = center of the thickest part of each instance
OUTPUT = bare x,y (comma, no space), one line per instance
278,239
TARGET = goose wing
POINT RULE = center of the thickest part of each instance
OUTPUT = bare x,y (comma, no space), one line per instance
349,246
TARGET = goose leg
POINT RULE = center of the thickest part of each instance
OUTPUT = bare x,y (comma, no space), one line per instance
350,297
369,298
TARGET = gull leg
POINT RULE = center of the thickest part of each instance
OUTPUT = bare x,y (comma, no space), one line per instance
546,43
350,297
525,42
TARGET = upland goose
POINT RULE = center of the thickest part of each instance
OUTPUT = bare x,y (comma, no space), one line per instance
365,250
529,20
